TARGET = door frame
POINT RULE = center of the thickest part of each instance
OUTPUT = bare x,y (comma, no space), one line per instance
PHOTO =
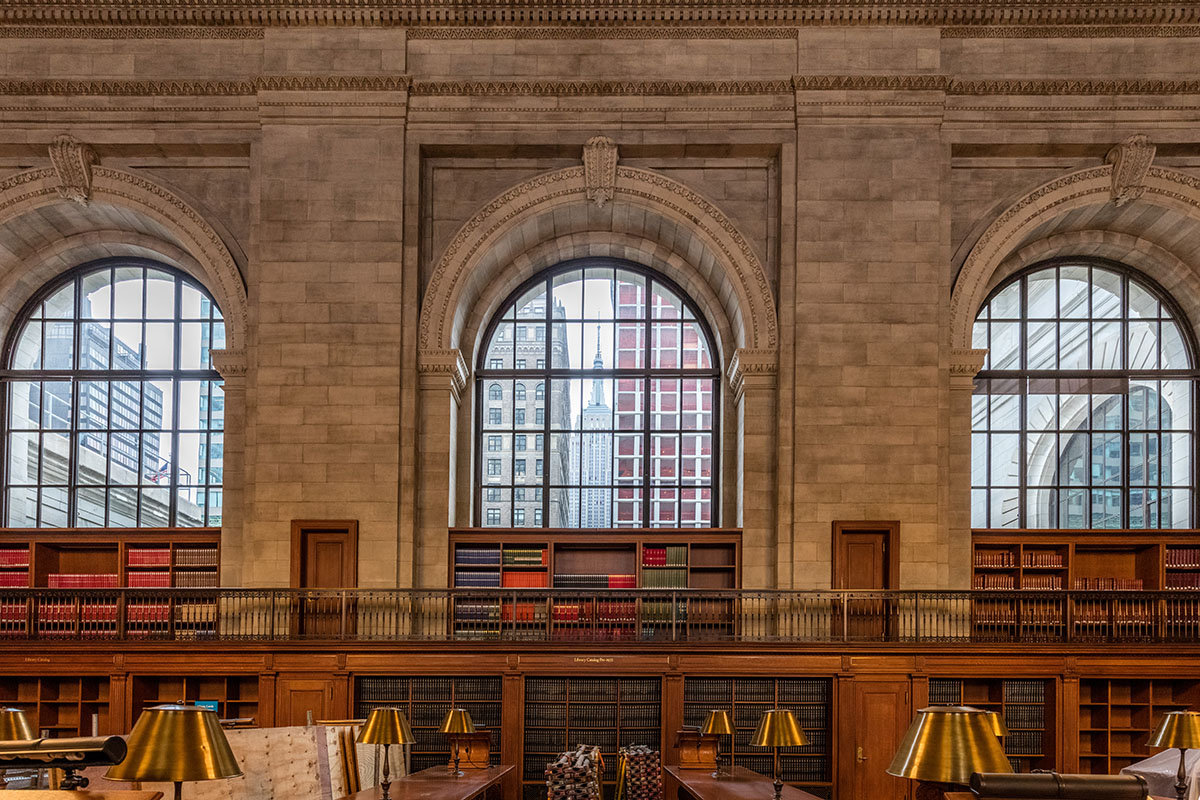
349,527
891,531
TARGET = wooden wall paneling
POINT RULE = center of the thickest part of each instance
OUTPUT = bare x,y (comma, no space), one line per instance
512,735
297,694
266,699
1067,719
672,717
118,704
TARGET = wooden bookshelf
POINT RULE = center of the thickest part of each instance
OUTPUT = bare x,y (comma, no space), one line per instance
1026,706
810,699
61,706
425,701
1116,716
609,713
487,559
236,696
1085,560
109,558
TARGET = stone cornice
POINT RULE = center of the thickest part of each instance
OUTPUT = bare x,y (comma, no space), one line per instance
230,363
448,364
748,362
1070,31
581,13
550,88
129,32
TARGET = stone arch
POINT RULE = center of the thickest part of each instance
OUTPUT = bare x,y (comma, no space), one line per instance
164,227
676,225
1028,230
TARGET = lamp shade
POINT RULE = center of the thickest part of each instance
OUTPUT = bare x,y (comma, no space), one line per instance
1177,729
14,726
176,743
998,726
718,722
945,744
778,728
386,726
458,720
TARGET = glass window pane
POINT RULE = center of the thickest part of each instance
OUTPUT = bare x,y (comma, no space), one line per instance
122,507
627,507
1007,303
53,506
61,304
1106,294
665,404
1041,508
28,354
665,341
160,345
22,507
129,291
57,405
1041,348
160,295
1073,344
1143,345
979,515
1074,290
530,305
695,347
500,348
598,300
664,458
97,294
1175,509
155,507
1041,459
696,404
127,345
1174,353
1005,508
1005,352
89,507
631,295
567,295
1176,405
664,304
1142,304
194,345
1042,302
1106,345
23,458
59,352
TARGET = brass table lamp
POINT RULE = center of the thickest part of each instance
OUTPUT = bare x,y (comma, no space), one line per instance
458,720
718,724
386,726
997,721
944,745
1178,729
176,743
14,726
778,728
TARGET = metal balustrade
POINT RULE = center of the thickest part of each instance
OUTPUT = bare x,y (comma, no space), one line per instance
551,615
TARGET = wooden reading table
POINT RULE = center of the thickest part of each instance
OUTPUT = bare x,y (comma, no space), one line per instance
438,783
741,784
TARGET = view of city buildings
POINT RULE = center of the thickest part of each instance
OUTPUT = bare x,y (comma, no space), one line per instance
96,443
621,439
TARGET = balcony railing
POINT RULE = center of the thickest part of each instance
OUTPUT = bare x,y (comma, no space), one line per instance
551,615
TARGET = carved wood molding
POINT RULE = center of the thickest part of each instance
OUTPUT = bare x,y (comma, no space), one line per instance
482,13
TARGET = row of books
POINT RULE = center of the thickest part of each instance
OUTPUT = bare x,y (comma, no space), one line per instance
14,580
594,581
995,558
197,580
525,556
1042,558
148,580
470,579
1025,716
197,557
1108,584
945,692
1042,582
76,580
990,581
524,580
1183,580
1176,557
665,579
149,556
399,689
668,556
1024,691
1023,743
476,556
12,557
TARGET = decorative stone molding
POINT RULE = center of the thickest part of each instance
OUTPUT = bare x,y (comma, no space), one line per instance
1092,186
1070,31
449,364
73,161
189,231
737,272
546,32
965,364
597,87
230,363
128,32
599,169
1131,161
204,88
747,363
932,83
583,13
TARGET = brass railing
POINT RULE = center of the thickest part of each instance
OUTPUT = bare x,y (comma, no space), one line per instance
553,615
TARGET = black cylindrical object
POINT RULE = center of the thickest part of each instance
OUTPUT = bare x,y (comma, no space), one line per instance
63,753
1039,785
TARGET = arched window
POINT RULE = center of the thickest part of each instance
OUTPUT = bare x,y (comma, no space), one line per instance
624,408
114,416
1083,415
495,392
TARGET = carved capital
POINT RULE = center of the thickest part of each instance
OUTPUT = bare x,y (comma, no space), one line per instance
747,364
230,363
73,161
1131,161
446,364
965,364
599,169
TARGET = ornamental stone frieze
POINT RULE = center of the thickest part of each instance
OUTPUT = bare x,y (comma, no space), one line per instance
72,161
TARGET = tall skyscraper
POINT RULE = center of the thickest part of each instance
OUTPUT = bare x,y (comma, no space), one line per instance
594,455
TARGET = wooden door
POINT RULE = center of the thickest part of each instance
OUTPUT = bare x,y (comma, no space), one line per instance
866,558
872,723
296,697
324,556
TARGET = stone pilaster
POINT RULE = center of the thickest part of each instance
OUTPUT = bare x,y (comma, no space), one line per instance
753,379
443,380
232,366
964,364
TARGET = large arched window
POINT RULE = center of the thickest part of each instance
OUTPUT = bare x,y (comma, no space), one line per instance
620,428
1084,413
113,412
